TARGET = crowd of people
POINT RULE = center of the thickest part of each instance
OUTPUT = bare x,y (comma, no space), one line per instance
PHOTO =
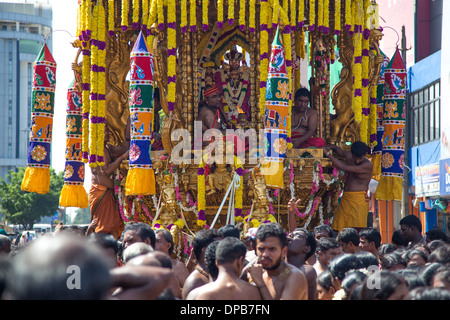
266,263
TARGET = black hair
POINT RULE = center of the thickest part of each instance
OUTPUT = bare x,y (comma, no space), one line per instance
388,283
352,278
272,230
441,254
144,231
325,244
433,245
310,241
324,279
229,250
437,234
343,263
202,239
412,252
302,92
428,293
413,281
168,237
391,259
372,235
324,227
367,259
411,221
428,271
210,259
398,239
230,230
358,149
386,248
104,240
347,235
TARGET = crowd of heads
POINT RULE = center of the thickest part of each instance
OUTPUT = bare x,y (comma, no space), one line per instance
348,265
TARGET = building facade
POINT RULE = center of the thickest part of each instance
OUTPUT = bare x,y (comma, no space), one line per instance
24,27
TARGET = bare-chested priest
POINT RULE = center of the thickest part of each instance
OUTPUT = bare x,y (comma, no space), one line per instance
304,122
101,195
354,205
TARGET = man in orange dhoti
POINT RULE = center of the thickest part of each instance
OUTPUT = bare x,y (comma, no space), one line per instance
354,206
101,195
304,122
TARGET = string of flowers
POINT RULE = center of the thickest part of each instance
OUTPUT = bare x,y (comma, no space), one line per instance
312,15
205,5
171,54
192,16
348,15
320,15
145,14
255,222
201,189
88,20
101,85
111,17
85,74
264,59
230,12
124,16
252,18
80,12
151,20
373,117
293,11
242,16
160,12
337,17
183,17
144,207
119,194
318,167
365,77
326,17
239,191
357,67
135,21
275,13
220,14
301,14
93,112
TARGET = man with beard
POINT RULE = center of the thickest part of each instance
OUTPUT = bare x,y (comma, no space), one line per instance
354,206
275,278
301,246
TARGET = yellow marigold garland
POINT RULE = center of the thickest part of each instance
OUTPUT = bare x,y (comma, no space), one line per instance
357,66
326,16
201,200
230,12
301,13
293,14
337,17
111,17
101,86
160,8
312,15
124,16
348,15
205,21
240,191
172,54
183,18
320,15
252,18
145,13
93,112
135,21
242,16
264,59
192,15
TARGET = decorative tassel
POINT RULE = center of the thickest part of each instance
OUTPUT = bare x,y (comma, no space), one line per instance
37,175
141,177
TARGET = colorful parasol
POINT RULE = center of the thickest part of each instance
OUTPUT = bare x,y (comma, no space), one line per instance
394,119
141,178
37,174
73,194
276,116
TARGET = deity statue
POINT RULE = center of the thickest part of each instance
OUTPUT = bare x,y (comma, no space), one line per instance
260,210
170,210
221,178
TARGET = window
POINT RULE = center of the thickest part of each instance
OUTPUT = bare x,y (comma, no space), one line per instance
424,115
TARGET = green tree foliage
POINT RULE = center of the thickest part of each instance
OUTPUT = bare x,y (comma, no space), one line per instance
82,216
26,208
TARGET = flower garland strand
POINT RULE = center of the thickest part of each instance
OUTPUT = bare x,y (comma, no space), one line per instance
192,16
93,112
101,86
301,14
326,16
85,73
252,18
312,15
320,15
111,18
205,6
337,17
201,189
172,54
160,12
365,77
242,6
357,66
239,191
145,14
183,17
230,12
135,21
264,58
293,11
220,14
348,15
124,16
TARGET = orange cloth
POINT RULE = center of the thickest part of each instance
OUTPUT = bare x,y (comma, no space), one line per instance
352,211
103,206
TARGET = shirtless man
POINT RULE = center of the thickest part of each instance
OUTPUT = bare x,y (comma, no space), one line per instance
101,195
230,258
211,113
275,278
354,206
164,243
301,246
304,122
